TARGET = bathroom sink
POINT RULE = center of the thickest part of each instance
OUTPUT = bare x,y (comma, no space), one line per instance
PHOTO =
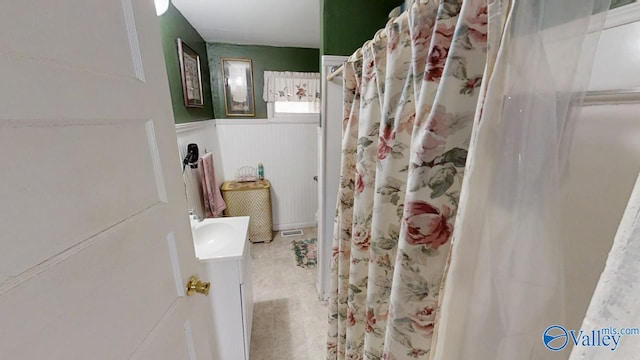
213,237
220,238
224,258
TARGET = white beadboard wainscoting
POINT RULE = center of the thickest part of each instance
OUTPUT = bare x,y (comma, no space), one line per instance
204,134
286,147
288,150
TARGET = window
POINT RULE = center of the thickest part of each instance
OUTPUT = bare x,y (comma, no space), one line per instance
291,94
289,107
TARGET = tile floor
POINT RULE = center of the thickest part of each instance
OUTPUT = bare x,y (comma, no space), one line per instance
289,321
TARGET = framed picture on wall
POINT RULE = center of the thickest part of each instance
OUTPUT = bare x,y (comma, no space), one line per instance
191,75
238,87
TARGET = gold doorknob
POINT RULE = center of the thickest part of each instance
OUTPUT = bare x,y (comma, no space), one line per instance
196,286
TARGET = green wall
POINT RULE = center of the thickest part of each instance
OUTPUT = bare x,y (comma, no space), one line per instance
172,26
346,25
618,3
263,58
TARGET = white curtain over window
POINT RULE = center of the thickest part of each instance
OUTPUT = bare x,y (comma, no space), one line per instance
291,86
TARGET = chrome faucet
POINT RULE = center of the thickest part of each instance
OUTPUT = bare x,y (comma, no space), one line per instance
194,216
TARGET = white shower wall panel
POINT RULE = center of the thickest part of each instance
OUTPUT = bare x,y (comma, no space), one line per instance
603,165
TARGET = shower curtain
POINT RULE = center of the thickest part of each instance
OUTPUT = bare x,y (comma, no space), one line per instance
498,81
505,283
409,101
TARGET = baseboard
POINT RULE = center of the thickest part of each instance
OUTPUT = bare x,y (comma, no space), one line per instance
280,227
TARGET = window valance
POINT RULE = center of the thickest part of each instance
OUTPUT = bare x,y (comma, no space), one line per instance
291,86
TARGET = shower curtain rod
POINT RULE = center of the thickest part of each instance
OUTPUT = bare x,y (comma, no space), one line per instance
611,97
358,56
335,72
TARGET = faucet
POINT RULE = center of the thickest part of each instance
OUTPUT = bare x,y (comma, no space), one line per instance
194,216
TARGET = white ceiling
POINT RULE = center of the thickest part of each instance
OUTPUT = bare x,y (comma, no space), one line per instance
256,22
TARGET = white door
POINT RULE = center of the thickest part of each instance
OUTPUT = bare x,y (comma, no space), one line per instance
95,245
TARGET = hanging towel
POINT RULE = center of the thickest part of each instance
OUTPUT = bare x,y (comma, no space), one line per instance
213,202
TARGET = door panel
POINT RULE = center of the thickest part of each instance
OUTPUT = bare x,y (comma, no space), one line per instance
74,65
84,146
70,39
94,291
174,339
91,194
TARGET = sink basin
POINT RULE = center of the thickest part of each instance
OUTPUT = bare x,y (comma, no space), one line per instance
220,238
213,237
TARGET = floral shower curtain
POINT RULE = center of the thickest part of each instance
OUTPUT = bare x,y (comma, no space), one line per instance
514,72
410,97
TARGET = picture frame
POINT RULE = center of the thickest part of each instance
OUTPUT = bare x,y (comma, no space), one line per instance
191,75
237,76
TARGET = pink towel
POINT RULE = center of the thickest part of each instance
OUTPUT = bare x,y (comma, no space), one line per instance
213,203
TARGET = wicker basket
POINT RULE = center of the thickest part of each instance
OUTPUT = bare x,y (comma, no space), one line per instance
251,199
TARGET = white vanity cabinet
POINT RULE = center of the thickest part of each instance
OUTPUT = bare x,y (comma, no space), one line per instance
230,300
